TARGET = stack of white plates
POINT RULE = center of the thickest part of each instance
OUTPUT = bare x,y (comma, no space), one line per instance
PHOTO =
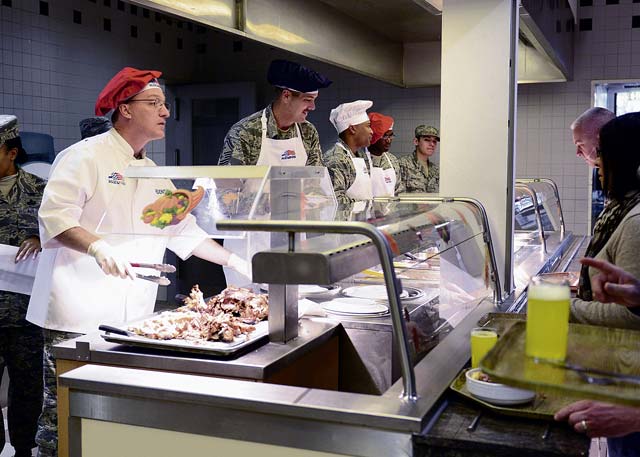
355,307
311,291
379,292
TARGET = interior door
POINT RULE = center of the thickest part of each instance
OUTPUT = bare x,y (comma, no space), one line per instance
202,115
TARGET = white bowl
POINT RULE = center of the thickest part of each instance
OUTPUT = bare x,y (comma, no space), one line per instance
498,394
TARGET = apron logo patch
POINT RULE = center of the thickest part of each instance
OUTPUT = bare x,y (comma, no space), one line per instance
288,154
387,179
116,178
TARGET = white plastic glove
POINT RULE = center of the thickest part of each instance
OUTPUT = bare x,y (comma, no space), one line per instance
240,265
109,261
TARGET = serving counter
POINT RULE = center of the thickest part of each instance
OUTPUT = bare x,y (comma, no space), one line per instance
342,381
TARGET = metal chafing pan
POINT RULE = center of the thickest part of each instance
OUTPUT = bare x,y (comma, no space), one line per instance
121,336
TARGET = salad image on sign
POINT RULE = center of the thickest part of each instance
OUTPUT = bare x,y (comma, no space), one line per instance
172,207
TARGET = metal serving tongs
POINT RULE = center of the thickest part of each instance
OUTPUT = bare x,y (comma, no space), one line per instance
161,267
594,375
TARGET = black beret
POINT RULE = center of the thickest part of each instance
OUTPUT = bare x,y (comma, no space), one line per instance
291,75
92,126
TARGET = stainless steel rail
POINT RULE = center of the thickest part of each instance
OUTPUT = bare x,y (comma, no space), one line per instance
534,199
499,295
555,191
386,258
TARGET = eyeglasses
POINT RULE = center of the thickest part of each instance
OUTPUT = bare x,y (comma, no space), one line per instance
156,102
388,136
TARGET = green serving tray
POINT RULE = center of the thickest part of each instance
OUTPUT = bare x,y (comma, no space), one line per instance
596,347
501,321
544,406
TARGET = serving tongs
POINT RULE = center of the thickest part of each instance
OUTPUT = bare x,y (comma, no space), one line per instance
594,375
161,267
160,280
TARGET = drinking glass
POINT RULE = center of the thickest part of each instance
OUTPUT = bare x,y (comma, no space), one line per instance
547,319
482,340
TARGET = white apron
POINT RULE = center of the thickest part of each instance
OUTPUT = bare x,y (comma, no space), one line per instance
383,182
279,153
361,188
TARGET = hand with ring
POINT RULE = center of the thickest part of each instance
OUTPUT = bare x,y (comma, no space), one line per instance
583,424
598,419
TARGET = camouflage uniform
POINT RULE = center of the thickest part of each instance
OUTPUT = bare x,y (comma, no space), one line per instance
415,177
244,139
382,162
341,170
47,436
21,341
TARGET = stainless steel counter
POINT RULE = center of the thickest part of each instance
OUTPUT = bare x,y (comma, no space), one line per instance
257,364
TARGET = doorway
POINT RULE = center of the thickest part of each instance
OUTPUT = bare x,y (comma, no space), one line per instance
620,97
202,115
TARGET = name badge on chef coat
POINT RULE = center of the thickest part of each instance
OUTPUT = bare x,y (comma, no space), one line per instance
116,178
288,155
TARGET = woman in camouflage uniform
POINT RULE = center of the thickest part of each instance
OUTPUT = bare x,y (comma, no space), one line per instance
419,173
20,341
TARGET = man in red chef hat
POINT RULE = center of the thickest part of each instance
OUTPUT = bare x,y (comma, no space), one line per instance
91,229
385,174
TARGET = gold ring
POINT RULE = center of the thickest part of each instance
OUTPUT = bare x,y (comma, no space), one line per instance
583,423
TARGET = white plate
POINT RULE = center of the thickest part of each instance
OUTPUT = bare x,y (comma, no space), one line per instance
353,306
497,394
309,290
373,292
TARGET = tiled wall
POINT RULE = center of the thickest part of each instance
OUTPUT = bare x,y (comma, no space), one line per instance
53,68
607,47
57,55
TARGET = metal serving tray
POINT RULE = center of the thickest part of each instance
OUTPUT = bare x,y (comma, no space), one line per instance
202,347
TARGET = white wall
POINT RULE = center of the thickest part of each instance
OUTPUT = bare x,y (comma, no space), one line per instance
53,69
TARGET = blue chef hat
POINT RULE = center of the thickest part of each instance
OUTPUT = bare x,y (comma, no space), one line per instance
290,75
92,126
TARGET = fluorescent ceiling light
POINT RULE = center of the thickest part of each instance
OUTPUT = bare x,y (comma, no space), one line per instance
202,8
275,33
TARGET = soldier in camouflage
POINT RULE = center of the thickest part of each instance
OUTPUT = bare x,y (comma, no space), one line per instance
381,158
279,135
20,341
418,172
348,164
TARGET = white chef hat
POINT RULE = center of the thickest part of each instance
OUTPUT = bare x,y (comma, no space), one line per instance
347,114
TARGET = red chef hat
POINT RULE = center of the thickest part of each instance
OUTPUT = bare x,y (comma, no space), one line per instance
124,85
380,124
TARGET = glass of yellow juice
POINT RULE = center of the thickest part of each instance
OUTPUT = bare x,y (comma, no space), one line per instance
482,340
547,319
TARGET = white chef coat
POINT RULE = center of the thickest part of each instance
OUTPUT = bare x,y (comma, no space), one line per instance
281,153
87,188
383,181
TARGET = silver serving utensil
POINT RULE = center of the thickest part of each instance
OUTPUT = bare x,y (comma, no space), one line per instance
163,267
161,280
601,375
